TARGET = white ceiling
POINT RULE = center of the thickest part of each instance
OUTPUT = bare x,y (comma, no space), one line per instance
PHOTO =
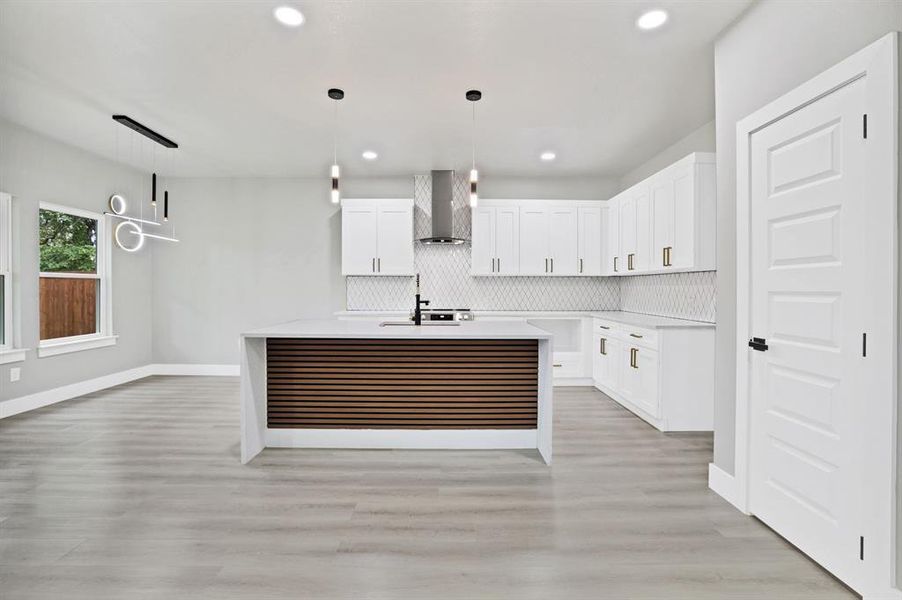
245,96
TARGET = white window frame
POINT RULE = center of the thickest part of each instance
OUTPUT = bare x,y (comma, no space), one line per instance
9,352
104,335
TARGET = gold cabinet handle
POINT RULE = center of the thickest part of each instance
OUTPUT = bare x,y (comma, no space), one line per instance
629,262
636,335
615,264
664,256
667,251
602,346
634,358
580,265
558,365
603,327
499,264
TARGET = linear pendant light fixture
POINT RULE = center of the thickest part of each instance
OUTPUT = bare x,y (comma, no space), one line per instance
335,94
118,205
474,96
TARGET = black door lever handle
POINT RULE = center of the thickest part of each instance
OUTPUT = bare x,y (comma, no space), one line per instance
759,344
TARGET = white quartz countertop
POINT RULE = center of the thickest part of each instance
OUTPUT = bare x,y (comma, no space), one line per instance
647,321
334,328
627,318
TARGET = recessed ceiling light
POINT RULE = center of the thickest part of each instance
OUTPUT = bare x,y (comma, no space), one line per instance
289,16
370,155
652,19
548,156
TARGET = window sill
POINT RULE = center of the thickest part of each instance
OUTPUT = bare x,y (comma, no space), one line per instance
11,355
75,344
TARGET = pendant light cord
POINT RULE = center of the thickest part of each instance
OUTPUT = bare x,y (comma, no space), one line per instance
473,135
335,134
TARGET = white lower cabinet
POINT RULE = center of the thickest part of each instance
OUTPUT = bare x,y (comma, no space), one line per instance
663,375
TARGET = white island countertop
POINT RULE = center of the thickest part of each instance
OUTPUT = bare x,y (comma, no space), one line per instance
334,328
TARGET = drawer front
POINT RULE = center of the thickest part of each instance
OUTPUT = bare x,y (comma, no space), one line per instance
605,327
640,336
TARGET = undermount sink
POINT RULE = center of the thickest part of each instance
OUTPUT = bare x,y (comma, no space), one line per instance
425,324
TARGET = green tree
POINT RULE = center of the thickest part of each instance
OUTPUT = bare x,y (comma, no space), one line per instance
68,242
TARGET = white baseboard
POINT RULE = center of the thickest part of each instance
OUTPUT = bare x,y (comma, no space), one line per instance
15,406
890,594
22,404
198,370
724,485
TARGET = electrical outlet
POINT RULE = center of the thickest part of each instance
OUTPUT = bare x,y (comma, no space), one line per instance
15,373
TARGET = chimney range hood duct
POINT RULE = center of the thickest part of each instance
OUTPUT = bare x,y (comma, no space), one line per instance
442,210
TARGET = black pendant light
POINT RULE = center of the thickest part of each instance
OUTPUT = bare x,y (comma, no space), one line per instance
474,96
336,95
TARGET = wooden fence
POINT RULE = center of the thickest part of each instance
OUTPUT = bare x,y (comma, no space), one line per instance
68,307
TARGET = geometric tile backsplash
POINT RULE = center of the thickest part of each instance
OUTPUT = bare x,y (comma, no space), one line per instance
679,295
446,281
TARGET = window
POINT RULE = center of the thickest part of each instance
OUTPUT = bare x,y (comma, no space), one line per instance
74,280
8,352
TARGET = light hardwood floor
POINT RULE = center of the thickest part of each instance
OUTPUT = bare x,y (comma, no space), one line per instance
137,492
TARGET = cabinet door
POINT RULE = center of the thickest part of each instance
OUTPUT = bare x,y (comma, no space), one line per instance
562,240
613,262
643,231
395,234
628,383
645,373
534,240
507,240
604,357
683,253
662,222
628,234
359,240
589,240
482,257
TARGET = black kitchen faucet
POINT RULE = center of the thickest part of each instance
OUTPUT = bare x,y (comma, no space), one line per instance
417,312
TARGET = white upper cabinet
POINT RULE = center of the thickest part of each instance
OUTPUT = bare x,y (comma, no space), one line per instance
534,245
589,227
667,222
562,240
495,239
538,237
377,237
613,262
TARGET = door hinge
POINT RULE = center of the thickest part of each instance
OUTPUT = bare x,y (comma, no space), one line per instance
861,548
864,344
864,125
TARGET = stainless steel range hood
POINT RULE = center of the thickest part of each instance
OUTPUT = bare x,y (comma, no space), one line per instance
442,210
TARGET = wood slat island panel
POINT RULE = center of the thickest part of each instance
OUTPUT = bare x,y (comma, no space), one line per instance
401,384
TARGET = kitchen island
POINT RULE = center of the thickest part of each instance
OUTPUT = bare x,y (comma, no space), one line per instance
362,384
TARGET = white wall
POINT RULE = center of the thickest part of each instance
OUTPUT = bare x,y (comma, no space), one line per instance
33,169
774,47
254,252
700,140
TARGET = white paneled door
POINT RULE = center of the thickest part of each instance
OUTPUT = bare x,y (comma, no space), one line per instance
808,387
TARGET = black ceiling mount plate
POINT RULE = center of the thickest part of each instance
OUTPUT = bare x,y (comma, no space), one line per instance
145,131
336,94
474,95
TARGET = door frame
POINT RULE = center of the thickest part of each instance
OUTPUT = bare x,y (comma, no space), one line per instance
878,62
